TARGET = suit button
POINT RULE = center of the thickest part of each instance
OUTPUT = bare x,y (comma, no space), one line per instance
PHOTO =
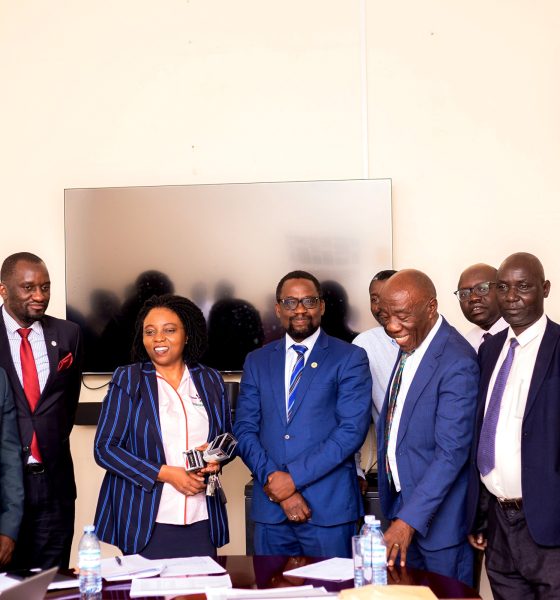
287,436
26,448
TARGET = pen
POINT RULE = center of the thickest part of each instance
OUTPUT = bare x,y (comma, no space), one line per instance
119,561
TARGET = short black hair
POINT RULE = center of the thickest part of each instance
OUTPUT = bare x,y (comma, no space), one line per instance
299,275
383,275
190,316
9,264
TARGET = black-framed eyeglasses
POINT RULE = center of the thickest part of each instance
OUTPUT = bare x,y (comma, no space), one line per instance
292,303
480,289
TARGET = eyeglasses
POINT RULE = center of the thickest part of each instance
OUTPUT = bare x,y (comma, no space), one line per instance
292,303
480,289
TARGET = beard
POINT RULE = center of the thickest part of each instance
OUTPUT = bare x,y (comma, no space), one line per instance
302,330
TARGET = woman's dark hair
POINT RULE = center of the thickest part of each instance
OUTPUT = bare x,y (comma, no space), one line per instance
190,316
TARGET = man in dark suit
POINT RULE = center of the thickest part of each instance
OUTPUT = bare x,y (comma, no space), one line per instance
425,431
516,451
42,358
303,410
11,481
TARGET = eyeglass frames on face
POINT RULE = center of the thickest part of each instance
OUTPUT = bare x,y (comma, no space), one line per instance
292,303
480,289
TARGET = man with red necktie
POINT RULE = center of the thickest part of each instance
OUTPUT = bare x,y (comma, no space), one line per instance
42,357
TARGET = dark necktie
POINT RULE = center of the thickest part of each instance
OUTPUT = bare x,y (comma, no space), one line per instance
486,455
395,387
486,335
295,377
30,382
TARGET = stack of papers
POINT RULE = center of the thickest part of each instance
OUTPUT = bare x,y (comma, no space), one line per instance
174,586
333,569
135,566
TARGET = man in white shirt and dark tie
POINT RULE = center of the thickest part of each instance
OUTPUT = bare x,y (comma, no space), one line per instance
515,476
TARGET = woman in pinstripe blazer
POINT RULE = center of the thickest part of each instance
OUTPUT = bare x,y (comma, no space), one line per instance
154,410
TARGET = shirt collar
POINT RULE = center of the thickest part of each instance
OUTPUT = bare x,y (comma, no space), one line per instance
534,331
431,335
12,325
309,342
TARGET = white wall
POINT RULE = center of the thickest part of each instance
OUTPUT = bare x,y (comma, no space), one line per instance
462,105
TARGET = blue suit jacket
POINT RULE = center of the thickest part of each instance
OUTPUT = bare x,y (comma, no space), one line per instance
433,443
330,419
540,440
128,443
11,466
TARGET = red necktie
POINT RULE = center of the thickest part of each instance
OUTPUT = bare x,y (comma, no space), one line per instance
30,382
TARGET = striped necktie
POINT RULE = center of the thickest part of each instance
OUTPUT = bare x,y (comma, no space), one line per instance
295,376
393,395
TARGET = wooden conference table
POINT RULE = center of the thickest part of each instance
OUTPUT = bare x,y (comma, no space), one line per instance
264,572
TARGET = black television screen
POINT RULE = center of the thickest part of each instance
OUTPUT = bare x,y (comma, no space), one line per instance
225,247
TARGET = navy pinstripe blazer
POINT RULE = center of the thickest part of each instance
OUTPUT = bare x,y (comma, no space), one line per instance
128,443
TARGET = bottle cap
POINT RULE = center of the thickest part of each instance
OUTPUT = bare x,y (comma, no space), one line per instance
89,528
370,519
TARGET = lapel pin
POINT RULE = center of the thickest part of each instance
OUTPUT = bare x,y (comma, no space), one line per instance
314,365
53,343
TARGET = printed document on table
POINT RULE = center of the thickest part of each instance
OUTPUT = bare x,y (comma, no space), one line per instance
192,565
300,592
129,567
175,586
333,569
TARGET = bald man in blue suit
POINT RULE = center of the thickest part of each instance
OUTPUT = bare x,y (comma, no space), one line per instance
425,431
300,446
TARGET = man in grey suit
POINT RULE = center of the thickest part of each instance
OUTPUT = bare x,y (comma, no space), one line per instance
11,478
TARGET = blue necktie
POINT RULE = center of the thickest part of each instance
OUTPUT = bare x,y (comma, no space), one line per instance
295,376
486,455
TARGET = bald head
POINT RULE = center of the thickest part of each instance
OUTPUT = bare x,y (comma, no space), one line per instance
481,305
412,281
408,308
521,289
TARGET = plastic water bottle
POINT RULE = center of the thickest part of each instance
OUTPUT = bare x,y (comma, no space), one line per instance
89,561
374,553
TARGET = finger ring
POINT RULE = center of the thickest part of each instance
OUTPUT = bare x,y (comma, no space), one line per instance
396,545
293,517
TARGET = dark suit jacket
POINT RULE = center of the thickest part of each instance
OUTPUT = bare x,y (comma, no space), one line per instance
53,418
433,443
11,480
331,416
129,444
540,440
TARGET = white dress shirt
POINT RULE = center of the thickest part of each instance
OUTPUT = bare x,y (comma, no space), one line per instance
292,356
382,352
409,371
475,336
504,480
38,347
184,425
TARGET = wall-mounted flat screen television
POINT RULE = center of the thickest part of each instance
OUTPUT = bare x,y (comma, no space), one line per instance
225,247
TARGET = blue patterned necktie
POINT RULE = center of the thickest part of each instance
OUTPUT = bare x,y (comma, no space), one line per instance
295,376
393,395
486,455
